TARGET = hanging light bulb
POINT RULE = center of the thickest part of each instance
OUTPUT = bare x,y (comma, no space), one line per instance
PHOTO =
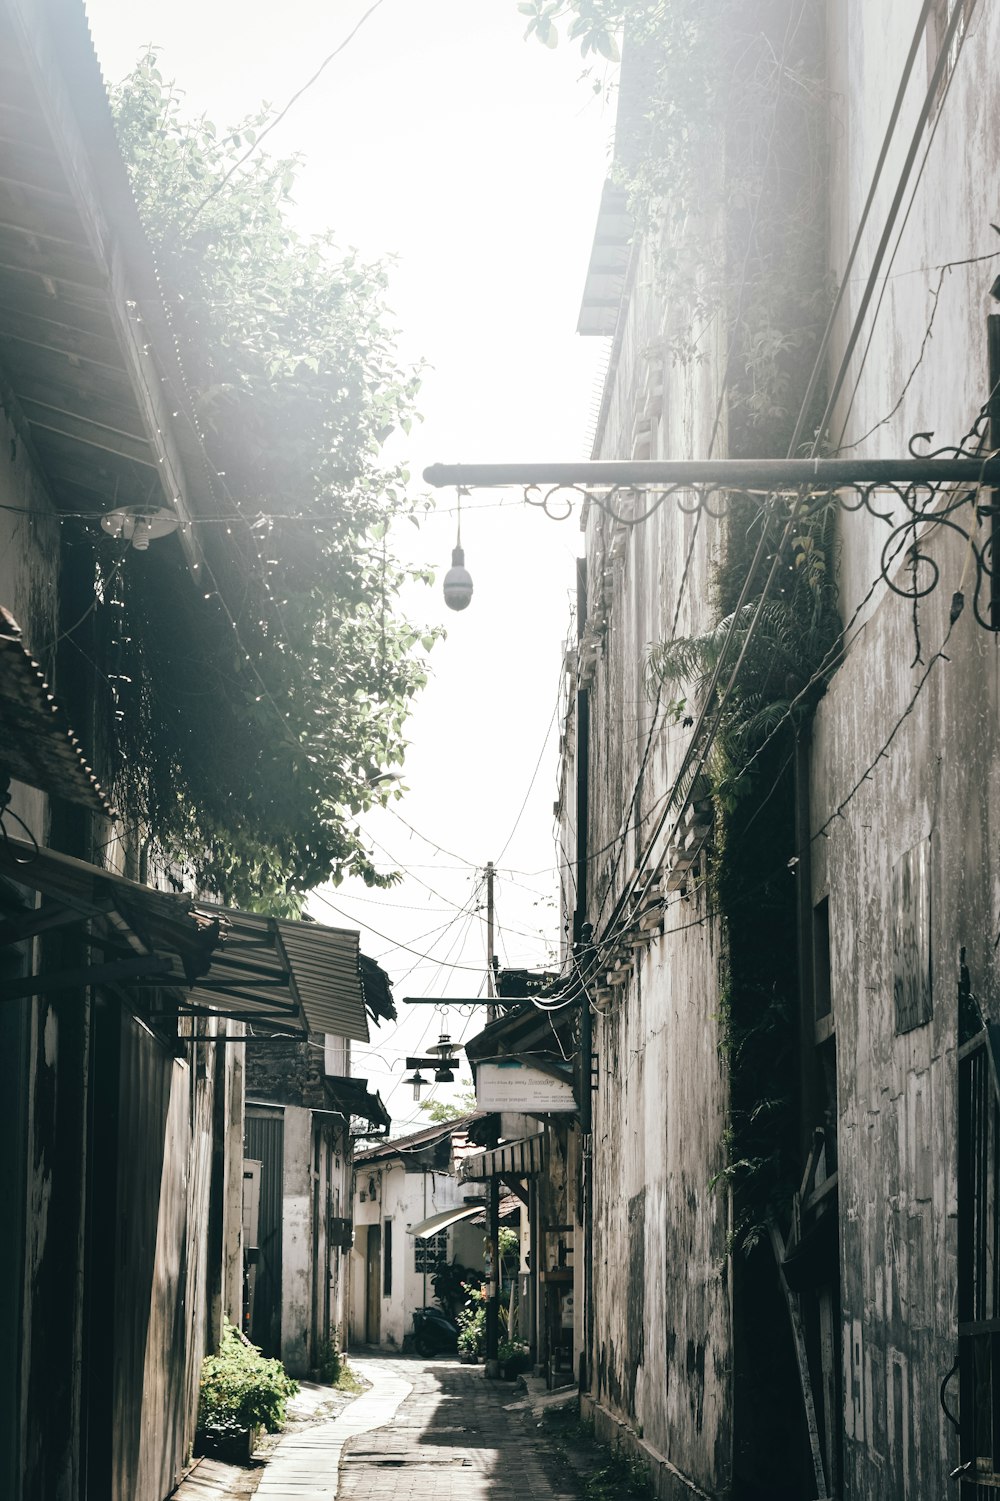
458,581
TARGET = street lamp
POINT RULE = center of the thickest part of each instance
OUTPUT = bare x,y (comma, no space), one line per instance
443,1062
418,1081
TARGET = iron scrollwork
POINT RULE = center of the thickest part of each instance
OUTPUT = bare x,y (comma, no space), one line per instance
914,511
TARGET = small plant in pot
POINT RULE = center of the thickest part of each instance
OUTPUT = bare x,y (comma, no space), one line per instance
241,1391
513,1358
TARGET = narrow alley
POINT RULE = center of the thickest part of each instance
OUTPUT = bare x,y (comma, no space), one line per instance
423,1429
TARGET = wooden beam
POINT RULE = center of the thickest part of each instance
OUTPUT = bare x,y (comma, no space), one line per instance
37,920
94,434
142,969
98,187
516,1187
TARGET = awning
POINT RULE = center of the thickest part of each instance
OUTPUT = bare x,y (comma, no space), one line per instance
37,746
205,959
443,1219
516,1159
353,1097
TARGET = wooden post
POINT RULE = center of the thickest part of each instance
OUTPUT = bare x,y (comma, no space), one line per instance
802,1360
493,1286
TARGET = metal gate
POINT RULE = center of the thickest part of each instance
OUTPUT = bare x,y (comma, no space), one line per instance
264,1141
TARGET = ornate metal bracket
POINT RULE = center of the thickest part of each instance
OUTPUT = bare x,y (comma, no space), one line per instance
913,497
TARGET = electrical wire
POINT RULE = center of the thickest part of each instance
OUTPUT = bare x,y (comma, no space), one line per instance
534,775
281,114
956,18
837,385
467,968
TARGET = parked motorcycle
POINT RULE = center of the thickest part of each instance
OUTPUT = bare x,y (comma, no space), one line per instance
434,1333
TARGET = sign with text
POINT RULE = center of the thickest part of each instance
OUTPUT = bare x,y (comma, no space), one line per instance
511,1085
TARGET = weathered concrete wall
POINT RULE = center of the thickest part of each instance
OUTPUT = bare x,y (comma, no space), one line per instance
935,788
316,1184
662,1319
296,1241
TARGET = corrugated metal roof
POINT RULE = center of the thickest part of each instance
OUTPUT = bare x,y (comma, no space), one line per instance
76,351
355,1099
37,746
428,1136
300,975
518,1159
609,258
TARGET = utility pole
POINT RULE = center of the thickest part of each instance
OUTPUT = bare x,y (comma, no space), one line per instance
491,982
493,1213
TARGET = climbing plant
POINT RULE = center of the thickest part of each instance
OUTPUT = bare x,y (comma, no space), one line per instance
721,150
269,697
791,638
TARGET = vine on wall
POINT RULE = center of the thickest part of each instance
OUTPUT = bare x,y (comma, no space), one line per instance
721,147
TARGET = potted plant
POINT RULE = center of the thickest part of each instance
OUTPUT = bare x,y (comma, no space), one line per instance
241,1392
513,1358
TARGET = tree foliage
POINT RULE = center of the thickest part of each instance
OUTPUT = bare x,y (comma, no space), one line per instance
274,693
439,1111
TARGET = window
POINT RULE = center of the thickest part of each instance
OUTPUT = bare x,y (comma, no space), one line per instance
430,1252
387,1258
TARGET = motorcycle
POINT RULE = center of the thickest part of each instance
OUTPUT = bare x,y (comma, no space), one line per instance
434,1333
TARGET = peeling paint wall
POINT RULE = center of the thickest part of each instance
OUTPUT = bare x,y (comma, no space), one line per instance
935,788
662,1319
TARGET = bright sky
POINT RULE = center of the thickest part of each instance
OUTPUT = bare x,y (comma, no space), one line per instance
440,136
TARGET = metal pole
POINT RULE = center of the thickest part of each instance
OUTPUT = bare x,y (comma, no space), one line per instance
491,988
732,474
493,1287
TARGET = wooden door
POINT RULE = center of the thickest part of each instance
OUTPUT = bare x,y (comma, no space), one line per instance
373,1286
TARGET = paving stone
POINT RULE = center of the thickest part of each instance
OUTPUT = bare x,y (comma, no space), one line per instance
450,1440
425,1431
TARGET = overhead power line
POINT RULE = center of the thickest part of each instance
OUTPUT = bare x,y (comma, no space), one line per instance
280,115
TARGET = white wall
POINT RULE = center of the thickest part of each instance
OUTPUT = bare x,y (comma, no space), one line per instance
404,1199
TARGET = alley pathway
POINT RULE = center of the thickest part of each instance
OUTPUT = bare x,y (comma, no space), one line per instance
450,1439
425,1429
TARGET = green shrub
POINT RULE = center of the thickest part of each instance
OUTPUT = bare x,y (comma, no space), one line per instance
472,1323
240,1388
330,1362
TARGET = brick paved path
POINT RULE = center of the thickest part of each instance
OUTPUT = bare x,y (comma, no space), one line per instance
426,1429
450,1440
